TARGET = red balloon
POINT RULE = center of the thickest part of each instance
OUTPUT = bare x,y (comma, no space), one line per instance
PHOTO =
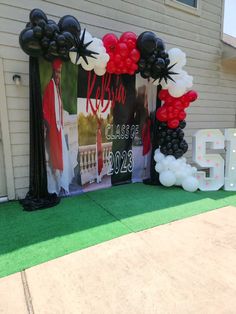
171,116
192,95
175,112
163,93
128,62
117,58
118,71
110,67
186,104
170,98
182,115
179,105
131,44
128,36
111,63
161,114
110,40
173,124
170,108
121,64
111,54
135,55
134,66
122,49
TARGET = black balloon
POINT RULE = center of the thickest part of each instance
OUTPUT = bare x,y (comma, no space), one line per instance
156,67
160,44
175,147
51,22
163,149
182,124
171,140
49,30
42,24
69,39
53,48
38,32
174,135
45,42
145,74
29,44
170,151
69,23
168,145
62,51
151,59
61,40
160,62
142,64
36,15
48,57
28,25
167,61
146,43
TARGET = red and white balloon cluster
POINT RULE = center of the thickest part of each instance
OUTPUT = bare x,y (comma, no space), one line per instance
173,109
123,53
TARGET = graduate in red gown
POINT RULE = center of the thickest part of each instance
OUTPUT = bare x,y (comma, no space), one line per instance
59,168
53,117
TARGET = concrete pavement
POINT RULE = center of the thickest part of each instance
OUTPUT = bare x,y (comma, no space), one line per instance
188,266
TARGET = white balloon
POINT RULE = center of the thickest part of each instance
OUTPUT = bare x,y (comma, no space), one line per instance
105,57
167,178
177,89
159,167
170,158
98,42
165,164
87,38
158,156
87,67
72,56
190,184
176,55
178,181
99,71
173,166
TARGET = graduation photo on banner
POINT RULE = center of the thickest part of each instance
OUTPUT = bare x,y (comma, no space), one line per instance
96,128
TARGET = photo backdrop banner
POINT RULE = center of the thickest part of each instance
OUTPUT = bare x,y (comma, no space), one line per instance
96,128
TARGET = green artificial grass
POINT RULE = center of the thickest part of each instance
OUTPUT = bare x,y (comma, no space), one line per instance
140,206
30,238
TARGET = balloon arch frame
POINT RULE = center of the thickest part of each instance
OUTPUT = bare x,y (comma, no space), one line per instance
129,54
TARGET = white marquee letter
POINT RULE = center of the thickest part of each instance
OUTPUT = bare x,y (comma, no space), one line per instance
213,161
230,167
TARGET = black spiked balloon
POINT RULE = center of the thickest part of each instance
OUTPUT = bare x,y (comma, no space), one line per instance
82,49
166,74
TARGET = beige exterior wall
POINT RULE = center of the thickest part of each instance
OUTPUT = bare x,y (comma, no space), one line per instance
198,35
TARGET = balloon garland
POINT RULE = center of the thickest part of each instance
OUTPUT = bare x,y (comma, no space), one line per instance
128,54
